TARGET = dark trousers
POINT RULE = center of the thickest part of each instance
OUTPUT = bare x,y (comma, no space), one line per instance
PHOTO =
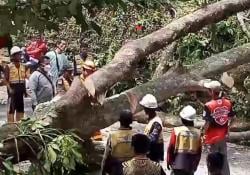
16,100
180,172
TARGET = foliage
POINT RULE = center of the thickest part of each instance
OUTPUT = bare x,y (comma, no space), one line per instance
56,152
47,14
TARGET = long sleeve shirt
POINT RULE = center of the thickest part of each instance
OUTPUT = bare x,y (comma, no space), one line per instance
40,87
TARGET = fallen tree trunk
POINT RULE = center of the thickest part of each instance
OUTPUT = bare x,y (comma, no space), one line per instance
239,136
76,100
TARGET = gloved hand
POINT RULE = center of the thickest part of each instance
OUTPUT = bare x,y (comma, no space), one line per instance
169,167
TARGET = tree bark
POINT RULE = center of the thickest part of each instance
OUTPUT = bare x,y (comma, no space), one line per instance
167,55
76,103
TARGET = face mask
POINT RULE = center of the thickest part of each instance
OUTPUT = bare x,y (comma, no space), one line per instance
47,68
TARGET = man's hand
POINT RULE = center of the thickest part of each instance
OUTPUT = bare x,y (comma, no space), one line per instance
11,91
169,167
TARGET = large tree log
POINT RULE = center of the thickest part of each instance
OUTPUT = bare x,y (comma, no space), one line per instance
132,52
76,101
163,87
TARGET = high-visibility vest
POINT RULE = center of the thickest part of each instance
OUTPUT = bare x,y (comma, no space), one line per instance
121,144
188,140
16,75
148,128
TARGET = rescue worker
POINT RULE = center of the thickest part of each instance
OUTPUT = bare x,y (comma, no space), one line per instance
154,128
118,148
88,68
217,115
184,150
15,74
65,80
141,164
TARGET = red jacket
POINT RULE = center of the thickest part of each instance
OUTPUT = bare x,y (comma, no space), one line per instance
217,113
37,49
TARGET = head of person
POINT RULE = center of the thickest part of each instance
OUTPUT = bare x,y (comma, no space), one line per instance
215,163
126,118
141,144
88,68
214,88
84,51
44,63
16,54
67,73
61,46
150,105
187,115
38,37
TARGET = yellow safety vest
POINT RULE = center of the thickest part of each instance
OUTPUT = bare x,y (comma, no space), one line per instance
16,75
188,139
148,128
121,144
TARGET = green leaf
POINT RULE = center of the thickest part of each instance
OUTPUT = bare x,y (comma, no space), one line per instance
51,155
55,146
8,166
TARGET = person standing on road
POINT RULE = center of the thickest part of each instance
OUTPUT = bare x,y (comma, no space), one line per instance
140,164
118,148
218,113
184,150
58,60
15,74
40,83
154,128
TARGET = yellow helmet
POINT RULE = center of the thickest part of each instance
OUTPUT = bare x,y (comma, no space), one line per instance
89,64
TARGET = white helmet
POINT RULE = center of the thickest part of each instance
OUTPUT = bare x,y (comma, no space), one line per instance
212,85
188,113
149,101
15,50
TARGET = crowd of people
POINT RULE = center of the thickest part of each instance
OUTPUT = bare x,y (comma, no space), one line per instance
46,73
131,153
40,73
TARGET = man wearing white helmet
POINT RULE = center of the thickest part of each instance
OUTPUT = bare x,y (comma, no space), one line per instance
154,128
217,113
15,74
184,150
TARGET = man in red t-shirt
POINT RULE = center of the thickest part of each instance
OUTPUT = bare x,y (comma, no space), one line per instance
217,115
37,48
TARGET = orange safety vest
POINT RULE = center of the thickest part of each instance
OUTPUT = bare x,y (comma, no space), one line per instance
219,110
17,75
188,140
121,144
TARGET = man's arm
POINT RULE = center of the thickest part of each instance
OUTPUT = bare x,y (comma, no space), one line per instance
207,117
155,132
7,77
107,154
171,149
33,83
